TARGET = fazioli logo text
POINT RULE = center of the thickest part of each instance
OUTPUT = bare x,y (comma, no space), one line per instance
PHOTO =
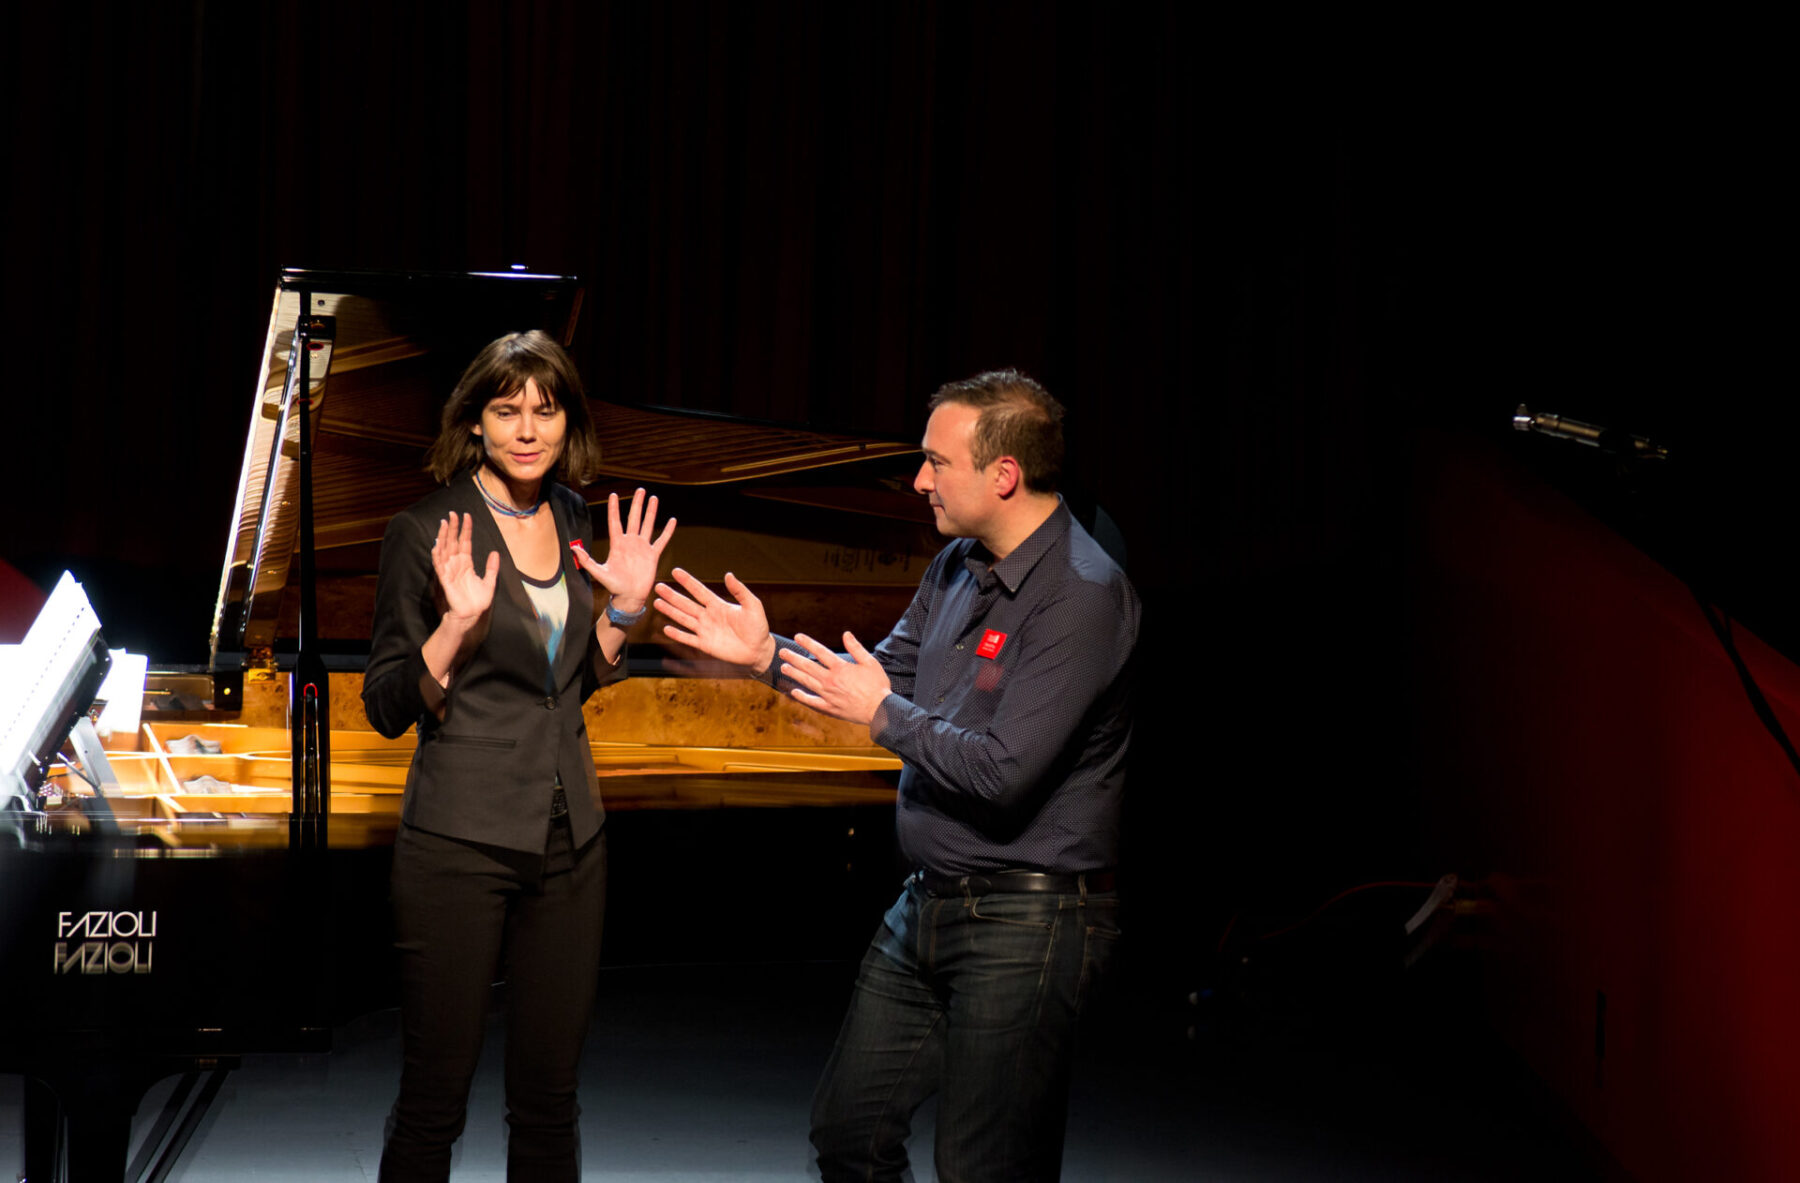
105,942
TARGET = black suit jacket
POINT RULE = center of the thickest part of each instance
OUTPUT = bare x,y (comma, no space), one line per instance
493,744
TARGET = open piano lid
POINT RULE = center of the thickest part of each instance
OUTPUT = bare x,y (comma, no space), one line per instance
377,378
397,343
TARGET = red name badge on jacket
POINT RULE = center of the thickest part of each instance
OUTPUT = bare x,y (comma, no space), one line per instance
991,642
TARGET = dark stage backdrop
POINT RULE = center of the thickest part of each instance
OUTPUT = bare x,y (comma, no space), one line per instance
1248,262
783,211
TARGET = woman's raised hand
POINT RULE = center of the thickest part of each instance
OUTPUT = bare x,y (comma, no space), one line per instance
632,554
467,593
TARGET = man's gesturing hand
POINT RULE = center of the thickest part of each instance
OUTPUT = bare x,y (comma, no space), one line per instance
732,632
851,690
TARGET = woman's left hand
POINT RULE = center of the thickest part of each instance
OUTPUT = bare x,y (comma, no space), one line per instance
632,555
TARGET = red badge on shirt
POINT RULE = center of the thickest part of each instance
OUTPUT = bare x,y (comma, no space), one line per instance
990,644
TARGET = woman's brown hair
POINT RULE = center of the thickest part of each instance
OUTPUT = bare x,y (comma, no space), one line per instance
500,371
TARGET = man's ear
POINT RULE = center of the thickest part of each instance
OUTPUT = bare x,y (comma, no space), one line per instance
1007,476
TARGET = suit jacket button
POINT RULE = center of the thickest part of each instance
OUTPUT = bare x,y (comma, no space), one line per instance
550,703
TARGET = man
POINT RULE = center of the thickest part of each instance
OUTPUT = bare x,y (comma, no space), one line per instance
1005,689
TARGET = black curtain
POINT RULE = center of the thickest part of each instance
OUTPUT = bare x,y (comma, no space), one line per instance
1249,258
782,211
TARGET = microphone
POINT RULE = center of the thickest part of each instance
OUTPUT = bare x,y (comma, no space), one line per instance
1592,434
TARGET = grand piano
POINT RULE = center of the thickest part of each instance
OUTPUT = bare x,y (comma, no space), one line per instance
225,894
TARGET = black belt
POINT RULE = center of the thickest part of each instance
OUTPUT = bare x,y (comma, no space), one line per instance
999,882
559,803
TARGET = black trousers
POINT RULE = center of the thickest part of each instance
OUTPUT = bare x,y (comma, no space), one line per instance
466,915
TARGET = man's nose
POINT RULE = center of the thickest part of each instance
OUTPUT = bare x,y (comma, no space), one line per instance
922,482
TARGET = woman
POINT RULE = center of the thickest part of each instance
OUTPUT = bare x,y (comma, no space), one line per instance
488,637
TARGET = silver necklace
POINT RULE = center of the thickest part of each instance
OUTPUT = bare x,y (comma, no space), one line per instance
502,507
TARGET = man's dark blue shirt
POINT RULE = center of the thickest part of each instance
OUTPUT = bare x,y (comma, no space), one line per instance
1010,705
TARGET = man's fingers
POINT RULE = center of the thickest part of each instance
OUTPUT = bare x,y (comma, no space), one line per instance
678,612
740,591
823,654
808,673
702,594
807,678
673,604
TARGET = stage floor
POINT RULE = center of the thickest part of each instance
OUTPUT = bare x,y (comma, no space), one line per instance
705,1072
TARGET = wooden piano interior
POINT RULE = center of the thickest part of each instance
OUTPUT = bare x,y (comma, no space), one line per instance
671,743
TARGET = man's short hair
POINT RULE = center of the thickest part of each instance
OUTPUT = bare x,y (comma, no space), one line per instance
1018,418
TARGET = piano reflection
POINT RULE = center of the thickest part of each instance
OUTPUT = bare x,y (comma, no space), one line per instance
237,902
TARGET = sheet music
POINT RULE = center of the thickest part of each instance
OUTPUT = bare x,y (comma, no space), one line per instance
39,676
123,694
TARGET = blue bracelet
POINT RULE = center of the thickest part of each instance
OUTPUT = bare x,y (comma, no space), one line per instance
626,619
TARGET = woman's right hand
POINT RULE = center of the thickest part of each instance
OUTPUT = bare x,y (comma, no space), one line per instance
467,595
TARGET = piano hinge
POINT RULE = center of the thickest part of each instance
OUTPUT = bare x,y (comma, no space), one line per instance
259,664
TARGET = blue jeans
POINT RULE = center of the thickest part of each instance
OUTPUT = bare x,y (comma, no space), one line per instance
976,999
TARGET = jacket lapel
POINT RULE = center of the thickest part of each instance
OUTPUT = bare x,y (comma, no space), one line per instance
579,630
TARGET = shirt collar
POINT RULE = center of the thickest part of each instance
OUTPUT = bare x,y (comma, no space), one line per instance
1012,570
